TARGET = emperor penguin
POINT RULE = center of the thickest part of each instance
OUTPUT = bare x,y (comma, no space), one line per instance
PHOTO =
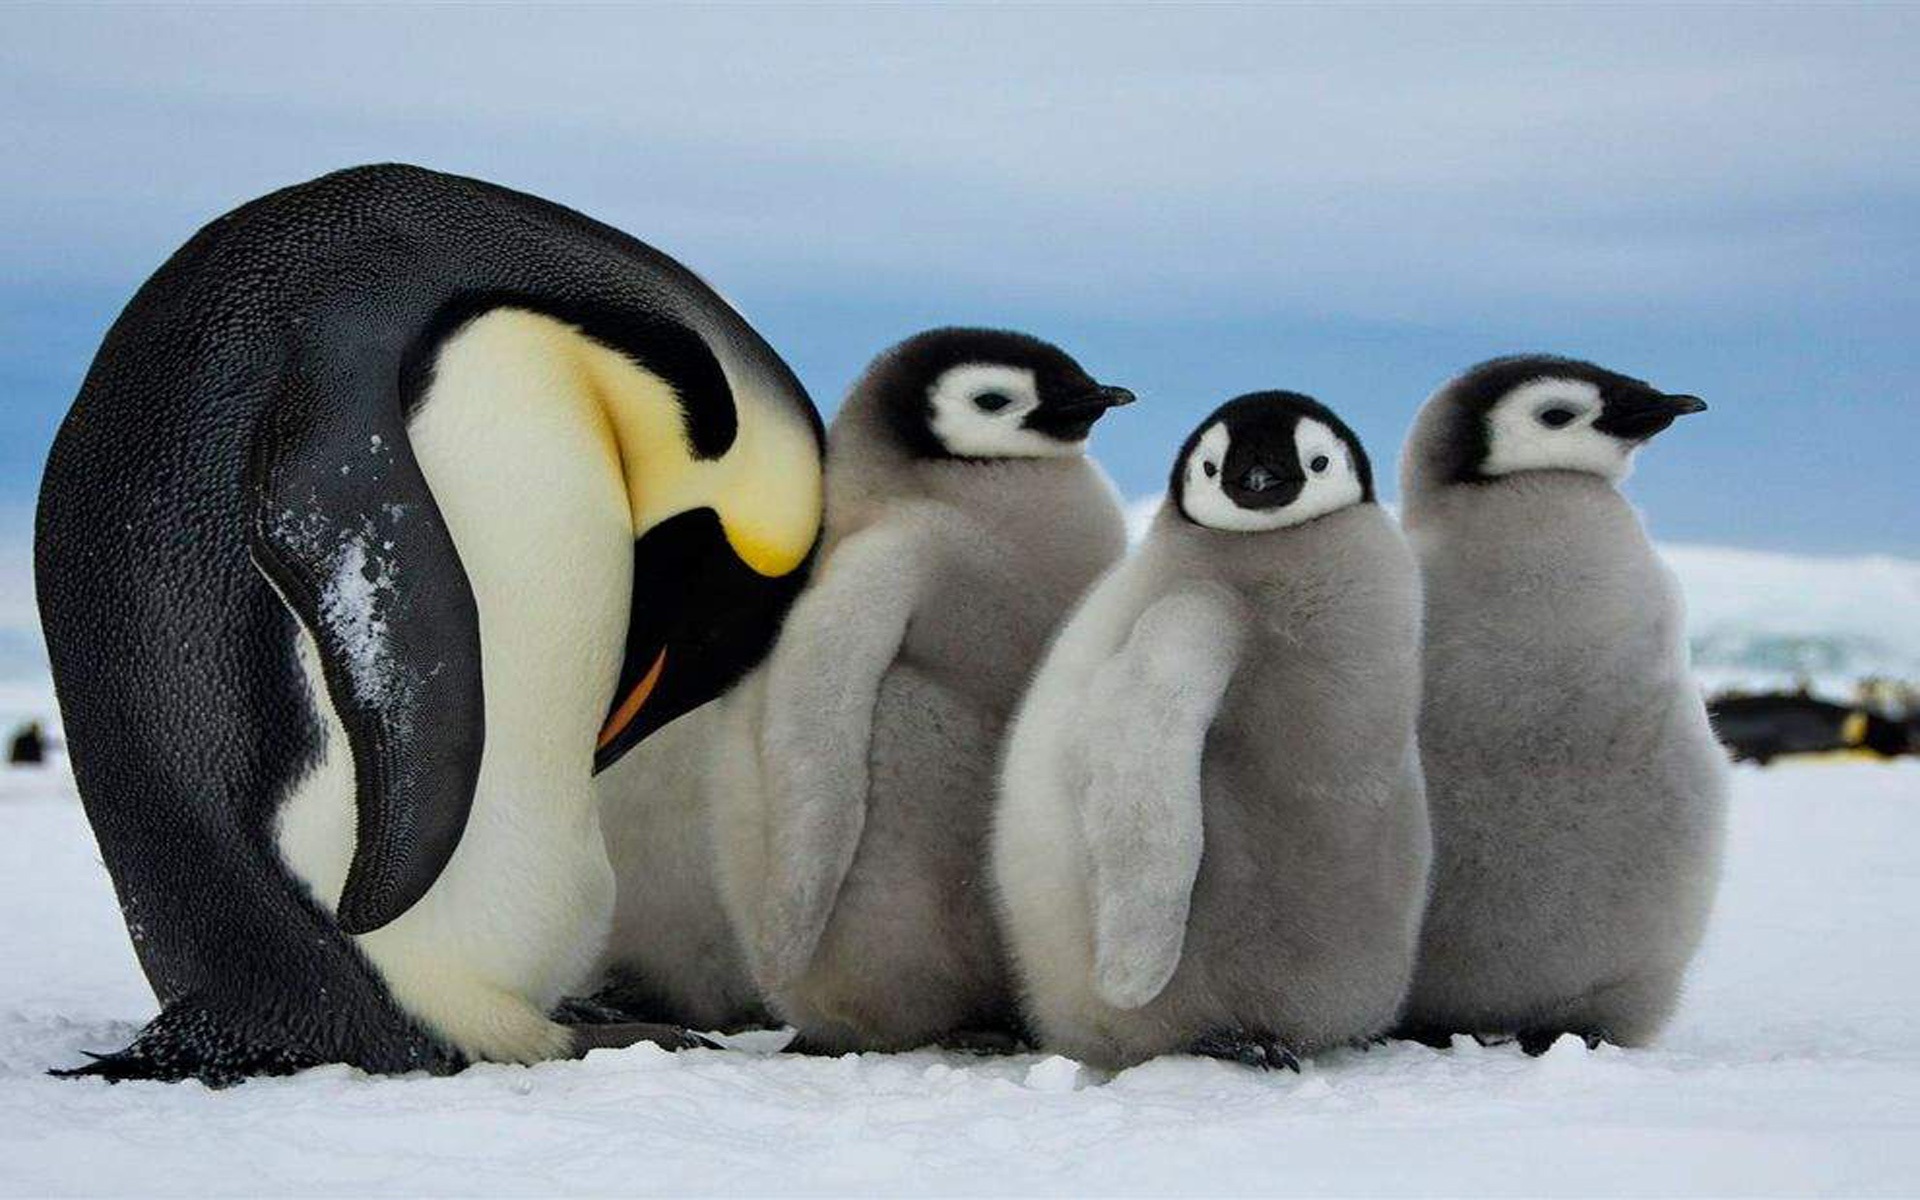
1211,834
1578,793
963,522
393,506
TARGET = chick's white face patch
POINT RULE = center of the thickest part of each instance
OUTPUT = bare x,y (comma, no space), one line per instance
1201,496
1332,482
977,410
1547,425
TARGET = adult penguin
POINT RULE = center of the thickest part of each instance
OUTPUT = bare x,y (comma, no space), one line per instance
395,505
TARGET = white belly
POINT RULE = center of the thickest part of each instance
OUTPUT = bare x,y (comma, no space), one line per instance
517,458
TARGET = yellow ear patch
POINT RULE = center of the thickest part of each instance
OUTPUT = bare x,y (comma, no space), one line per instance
1853,732
766,488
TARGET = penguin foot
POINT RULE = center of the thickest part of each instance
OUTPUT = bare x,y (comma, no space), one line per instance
620,1004
619,1035
983,1042
130,1064
188,1042
1430,1036
1259,1051
592,1010
1535,1042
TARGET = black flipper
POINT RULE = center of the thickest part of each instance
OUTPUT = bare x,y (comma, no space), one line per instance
348,532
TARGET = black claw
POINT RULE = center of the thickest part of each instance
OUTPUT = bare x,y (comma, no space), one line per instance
1260,1052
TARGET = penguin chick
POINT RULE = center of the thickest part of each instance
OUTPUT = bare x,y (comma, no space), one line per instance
963,521
1211,834
671,956
1577,791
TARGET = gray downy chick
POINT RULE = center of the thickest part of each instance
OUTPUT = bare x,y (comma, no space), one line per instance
1211,835
963,522
1578,793
671,956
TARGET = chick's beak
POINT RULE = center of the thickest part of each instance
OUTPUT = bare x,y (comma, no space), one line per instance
1071,418
1098,400
1638,418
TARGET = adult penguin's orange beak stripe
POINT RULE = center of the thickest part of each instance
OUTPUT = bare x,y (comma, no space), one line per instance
628,709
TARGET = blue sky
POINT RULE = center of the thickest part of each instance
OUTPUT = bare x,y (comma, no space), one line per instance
1196,202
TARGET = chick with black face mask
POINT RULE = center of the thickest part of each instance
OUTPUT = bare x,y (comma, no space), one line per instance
1211,835
852,798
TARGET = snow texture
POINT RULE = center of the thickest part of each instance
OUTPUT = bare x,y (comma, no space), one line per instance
350,607
1792,1068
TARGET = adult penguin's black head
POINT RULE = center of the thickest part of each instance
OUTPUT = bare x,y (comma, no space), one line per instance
959,393
1268,460
1537,412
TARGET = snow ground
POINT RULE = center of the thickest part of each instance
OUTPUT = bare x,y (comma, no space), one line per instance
1792,1069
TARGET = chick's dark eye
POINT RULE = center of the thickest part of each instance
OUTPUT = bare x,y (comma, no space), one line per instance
1555,418
992,401
1210,469
1320,463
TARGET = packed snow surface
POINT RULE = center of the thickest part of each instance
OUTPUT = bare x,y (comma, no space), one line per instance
1793,1068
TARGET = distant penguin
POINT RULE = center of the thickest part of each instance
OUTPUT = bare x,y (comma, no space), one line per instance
1211,835
672,956
394,504
1763,728
1578,794
963,522
28,748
